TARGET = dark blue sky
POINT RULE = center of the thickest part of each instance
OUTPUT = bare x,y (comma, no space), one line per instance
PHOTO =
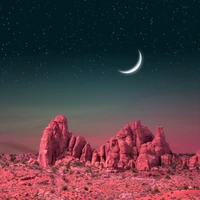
58,57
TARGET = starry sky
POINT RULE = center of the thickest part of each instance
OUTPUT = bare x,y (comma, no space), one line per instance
63,57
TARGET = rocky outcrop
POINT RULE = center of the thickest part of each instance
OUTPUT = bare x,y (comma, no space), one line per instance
57,138
166,160
86,154
77,150
95,157
53,141
133,146
122,150
151,152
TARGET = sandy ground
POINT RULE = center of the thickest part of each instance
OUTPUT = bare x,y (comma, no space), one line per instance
24,181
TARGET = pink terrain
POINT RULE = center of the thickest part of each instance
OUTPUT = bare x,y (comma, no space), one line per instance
135,164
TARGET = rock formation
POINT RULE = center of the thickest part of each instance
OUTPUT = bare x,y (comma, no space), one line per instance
151,152
53,141
133,146
57,138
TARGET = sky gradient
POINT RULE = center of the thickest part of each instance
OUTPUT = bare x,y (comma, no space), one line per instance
63,58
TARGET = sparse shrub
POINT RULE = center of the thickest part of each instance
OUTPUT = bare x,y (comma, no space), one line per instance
88,170
12,158
79,164
144,184
128,168
71,172
155,190
64,179
89,183
64,188
86,188
197,168
54,169
16,161
46,182
185,166
36,195
173,165
168,171
68,166
134,170
126,185
29,184
123,176
60,165
191,178
52,191
185,187
168,177
196,187
38,168
51,176
36,163
93,175
162,164
73,187
189,154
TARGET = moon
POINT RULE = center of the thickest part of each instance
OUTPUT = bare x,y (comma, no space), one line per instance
135,68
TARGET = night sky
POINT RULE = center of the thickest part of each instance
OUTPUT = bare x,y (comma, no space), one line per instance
63,57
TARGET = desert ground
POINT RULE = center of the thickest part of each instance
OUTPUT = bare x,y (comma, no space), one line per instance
22,179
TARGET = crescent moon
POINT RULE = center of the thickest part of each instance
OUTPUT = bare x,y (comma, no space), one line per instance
135,68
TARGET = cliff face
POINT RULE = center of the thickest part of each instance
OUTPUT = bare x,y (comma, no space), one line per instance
134,146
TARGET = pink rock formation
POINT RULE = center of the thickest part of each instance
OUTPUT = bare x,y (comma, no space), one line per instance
193,161
102,154
118,152
152,151
71,143
95,157
80,143
86,153
166,159
53,141
56,139
134,145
